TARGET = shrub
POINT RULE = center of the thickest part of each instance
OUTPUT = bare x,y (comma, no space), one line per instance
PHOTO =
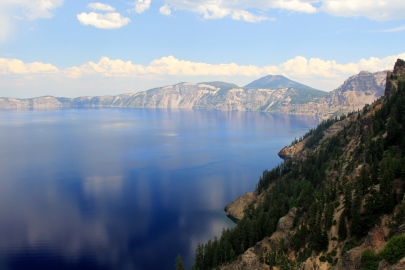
394,250
322,258
369,260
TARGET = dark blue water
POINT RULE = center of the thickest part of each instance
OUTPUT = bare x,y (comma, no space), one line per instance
126,188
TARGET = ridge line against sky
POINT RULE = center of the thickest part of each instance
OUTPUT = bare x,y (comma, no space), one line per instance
66,48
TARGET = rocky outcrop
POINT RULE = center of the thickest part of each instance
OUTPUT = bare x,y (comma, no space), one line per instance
283,226
235,210
297,151
358,90
374,241
248,260
392,82
251,259
292,152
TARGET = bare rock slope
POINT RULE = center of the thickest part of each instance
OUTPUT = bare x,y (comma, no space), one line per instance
284,96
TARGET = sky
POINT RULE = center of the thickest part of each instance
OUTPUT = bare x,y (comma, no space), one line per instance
68,48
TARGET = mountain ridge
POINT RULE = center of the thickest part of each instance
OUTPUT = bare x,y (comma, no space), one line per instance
353,94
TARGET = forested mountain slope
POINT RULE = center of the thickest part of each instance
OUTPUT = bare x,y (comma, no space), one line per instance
336,202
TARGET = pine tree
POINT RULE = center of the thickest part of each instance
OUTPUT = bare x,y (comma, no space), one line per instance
179,263
356,224
342,231
199,257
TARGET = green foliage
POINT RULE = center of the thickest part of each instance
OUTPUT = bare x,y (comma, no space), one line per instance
400,216
342,231
348,246
317,134
369,260
302,96
322,258
394,250
179,263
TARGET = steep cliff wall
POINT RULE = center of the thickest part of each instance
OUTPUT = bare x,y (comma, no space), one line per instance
355,92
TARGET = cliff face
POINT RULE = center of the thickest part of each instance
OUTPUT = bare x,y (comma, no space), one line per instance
357,91
392,77
337,202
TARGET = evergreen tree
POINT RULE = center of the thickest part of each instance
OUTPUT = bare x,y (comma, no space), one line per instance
179,263
348,201
342,231
356,224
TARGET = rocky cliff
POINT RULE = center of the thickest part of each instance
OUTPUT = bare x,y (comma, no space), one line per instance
393,76
355,92
286,97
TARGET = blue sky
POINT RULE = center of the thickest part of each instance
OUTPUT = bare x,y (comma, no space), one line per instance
78,48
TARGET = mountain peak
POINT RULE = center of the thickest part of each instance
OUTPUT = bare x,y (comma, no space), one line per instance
276,82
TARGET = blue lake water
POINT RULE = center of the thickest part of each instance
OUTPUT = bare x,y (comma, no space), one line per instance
127,188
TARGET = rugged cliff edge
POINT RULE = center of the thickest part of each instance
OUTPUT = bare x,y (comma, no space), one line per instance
234,210
336,202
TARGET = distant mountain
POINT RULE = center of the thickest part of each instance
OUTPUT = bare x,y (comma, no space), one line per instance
364,87
276,82
356,91
286,97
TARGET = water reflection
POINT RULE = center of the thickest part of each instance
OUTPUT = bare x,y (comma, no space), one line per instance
126,189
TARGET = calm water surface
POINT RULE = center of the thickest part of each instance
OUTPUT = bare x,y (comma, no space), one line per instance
126,188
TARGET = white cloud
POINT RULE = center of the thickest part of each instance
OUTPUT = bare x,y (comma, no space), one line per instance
24,9
106,67
380,10
165,10
391,30
299,66
142,5
100,6
247,16
293,5
255,10
104,21
319,73
15,66
246,10
35,9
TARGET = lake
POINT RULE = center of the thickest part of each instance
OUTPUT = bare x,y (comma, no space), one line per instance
127,188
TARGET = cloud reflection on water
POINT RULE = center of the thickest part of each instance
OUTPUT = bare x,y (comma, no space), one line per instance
155,183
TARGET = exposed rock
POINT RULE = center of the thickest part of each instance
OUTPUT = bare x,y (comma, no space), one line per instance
235,209
392,83
292,152
249,260
358,90
374,241
284,225
297,150
286,97
398,266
